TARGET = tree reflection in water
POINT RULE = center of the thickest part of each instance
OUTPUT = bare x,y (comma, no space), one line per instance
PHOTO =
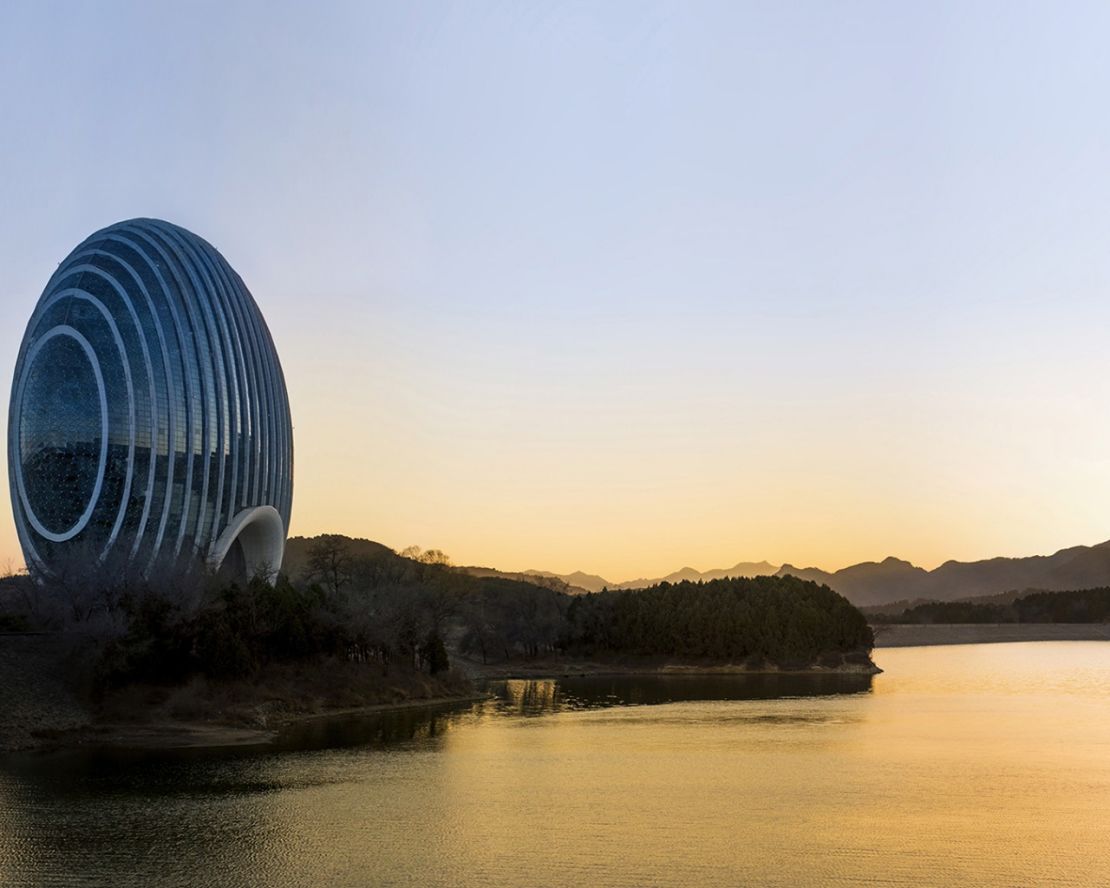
530,697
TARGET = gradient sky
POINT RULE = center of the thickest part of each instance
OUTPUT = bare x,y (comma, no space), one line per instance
619,287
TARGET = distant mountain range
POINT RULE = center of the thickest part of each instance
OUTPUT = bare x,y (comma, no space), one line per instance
868,584
594,583
882,582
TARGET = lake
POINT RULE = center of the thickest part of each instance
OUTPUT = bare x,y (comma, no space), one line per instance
971,765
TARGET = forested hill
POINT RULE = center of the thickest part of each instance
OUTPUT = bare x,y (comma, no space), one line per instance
298,553
351,622
783,620
1078,606
779,620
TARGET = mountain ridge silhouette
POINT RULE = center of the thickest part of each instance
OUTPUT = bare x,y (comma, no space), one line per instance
894,579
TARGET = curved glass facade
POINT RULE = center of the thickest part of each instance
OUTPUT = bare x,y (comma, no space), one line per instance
149,419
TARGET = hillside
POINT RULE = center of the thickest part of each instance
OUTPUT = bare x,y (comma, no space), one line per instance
295,562
753,621
492,616
1073,606
357,550
868,584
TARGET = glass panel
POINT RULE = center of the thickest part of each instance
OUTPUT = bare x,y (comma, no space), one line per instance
60,433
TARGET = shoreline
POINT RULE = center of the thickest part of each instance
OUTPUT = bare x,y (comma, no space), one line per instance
892,635
44,707
181,735
176,734
556,669
212,735
42,714
169,735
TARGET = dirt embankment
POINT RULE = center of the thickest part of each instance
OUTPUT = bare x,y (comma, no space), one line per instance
913,635
37,694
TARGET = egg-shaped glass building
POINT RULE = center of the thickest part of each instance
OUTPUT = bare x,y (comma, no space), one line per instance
149,424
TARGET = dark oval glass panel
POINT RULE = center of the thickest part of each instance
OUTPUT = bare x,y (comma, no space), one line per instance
60,433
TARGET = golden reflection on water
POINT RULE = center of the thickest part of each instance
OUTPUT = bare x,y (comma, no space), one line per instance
982,765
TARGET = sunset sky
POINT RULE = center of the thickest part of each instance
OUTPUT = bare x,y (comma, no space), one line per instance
619,287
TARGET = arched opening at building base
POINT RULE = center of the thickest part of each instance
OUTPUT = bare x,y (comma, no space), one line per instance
252,545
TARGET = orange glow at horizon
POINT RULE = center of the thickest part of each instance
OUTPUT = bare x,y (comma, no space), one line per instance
691,286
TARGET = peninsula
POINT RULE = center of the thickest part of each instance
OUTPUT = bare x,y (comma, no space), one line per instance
355,625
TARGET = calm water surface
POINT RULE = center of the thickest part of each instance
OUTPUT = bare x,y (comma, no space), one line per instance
972,765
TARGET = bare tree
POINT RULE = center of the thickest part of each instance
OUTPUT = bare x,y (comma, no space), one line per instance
435,556
329,562
425,556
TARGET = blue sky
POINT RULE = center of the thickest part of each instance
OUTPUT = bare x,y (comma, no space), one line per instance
620,287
